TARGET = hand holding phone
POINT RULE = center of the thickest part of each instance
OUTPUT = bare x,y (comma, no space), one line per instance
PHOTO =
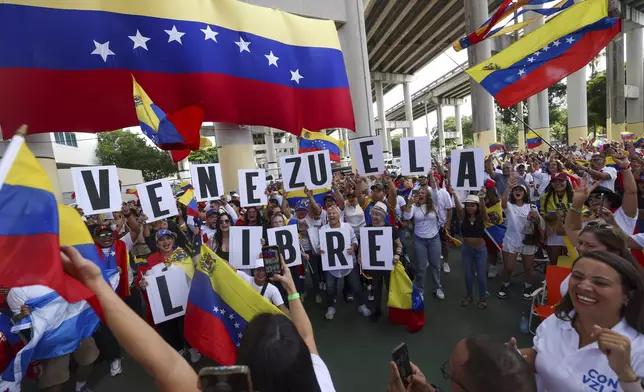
225,379
271,256
400,356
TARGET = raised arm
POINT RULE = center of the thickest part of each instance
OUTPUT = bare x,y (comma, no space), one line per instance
629,201
573,224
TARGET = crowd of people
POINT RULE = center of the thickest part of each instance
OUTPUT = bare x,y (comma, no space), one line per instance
581,204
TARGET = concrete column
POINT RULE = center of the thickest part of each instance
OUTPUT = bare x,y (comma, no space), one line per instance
476,13
459,127
615,61
441,130
428,131
235,152
577,106
635,77
345,138
380,103
42,147
271,153
184,169
409,114
539,118
353,41
521,136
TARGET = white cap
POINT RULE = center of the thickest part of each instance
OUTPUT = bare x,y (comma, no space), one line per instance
381,205
235,195
259,263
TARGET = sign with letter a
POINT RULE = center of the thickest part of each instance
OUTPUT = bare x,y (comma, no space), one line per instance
415,155
168,294
207,181
287,240
245,246
377,248
334,243
252,188
367,155
468,170
97,189
157,199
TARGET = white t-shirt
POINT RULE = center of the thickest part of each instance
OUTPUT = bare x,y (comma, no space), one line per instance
610,183
562,366
272,293
322,374
516,219
353,239
19,295
444,203
355,217
425,225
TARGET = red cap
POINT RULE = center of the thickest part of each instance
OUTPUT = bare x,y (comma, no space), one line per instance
490,183
559,176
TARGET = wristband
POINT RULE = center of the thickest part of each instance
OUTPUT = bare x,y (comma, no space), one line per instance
579,211
293,296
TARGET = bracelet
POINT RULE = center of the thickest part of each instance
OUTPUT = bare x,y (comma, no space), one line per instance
579,211
293,296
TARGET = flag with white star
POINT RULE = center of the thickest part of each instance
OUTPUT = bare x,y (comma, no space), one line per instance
319,141
563,45
220,305
67,66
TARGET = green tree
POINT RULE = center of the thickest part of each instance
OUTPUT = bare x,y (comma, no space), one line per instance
395,145
449,125
129,151
596,97
205,155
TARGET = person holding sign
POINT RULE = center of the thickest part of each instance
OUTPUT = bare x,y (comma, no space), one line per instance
221,239
474,256
332,277
380,279
427,243
260,284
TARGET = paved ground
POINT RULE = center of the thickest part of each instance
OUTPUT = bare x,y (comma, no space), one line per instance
357,351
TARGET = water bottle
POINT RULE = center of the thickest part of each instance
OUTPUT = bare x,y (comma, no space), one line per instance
524,323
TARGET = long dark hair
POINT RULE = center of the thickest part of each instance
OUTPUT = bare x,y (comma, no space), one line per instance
631,276
218,235
278,358
429,204
526,195
260,217
551,193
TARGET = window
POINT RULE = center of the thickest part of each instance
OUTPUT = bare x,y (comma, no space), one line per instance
66,139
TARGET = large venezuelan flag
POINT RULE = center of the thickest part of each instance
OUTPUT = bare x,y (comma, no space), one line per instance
30,227
68,65
548,54
293,197
317,141
406,305
220,305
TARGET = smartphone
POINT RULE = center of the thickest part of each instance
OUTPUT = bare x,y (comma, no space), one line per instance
400,356
271,256
225,379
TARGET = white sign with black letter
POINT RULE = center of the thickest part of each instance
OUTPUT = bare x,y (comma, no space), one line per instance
415,155
207,181
157,199
97,189
311,170
287,240
245,246
168,294
294,172
367,155
334,243
377,248
467,169
252,188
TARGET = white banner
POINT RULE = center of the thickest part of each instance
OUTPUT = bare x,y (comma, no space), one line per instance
467,169
286,238
97,189
245,246
168,294
415,155
377,248
367,155
252,187
157,199
335,243
207,181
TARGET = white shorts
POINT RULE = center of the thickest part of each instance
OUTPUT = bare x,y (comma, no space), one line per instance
528,250
555,240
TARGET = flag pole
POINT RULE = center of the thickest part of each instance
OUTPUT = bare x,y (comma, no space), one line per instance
516,115
11,153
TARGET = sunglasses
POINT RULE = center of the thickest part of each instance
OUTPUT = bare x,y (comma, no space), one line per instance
105,236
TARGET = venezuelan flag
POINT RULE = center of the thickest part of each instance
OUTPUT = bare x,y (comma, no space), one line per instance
316,141
548,54
177,132
405,302
244,63
627,136
30,227
220,305
188,200
293,197
533,140
497,147
639,141
185,186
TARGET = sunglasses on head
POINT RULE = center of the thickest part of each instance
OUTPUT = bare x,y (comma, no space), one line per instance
599,225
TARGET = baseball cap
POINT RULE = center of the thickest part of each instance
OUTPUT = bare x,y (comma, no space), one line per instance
559,176
100,229
162,233
212,212
259,263
301,205
378,185
381,206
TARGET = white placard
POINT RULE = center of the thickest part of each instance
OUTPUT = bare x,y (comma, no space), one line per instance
286,238
467,169
252,187
97,189
294,172
319,170
168,294
207,181
415,155
377,248
157,199
245,246
334,243
367,156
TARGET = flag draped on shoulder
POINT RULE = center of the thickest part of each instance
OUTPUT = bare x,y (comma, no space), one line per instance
30,229
317,141
220,305
405,302
548,54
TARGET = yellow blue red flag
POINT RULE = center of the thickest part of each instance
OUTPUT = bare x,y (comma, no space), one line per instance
406,305
317,141
533,140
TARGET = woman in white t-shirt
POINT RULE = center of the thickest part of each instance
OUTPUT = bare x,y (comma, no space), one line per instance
518,213
281,353
594,341
260,284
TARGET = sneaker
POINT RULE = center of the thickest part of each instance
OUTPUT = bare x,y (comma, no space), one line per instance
446,268
492,271
318,298
504,291
439,294
116,368
527,293
364,310
330,313
195,355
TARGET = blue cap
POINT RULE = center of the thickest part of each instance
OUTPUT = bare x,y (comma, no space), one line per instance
302,205
211,212
162,233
